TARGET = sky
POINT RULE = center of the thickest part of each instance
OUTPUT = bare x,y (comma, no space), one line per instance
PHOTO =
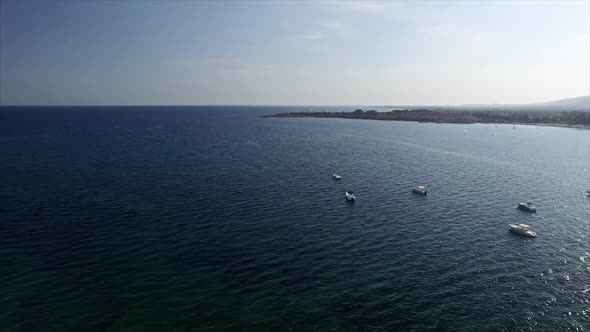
292,53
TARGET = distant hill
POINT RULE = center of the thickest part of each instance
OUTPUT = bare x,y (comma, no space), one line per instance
582,102
568,104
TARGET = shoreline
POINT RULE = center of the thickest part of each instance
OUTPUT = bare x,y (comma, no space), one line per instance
438,121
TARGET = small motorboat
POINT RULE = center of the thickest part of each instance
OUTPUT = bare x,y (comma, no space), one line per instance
528,207
421,190
349,196
522,229
336,177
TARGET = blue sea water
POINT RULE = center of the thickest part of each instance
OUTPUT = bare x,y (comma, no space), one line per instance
214,218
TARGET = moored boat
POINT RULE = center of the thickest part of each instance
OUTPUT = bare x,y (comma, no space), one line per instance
522,229
421,190
529,207
350,196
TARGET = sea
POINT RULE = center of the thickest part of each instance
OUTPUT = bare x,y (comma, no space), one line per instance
213,218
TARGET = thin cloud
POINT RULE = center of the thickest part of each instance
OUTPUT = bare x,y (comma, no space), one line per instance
314,36
572,46
326,30
229,66
334,26
370,7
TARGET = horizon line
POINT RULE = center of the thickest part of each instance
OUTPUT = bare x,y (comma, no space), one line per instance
292,105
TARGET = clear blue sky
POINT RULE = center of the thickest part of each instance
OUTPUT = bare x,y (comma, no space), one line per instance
238,52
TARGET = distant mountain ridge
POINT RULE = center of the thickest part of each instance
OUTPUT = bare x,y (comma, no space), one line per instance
581,103
569,104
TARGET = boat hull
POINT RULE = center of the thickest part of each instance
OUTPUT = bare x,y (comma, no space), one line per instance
521,232
350,197
527,209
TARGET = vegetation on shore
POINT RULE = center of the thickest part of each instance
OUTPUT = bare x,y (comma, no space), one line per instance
557,118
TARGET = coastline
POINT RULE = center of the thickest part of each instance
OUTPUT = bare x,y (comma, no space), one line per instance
431,118
558,125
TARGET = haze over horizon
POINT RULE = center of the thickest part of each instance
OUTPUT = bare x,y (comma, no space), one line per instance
293,53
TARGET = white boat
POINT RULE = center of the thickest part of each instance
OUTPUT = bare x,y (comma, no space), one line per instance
522,229
420,190
529,207
336,177
349,196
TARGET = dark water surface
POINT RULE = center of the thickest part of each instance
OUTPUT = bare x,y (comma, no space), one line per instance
212,218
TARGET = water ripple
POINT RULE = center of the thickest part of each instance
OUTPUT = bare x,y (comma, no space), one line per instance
154,220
